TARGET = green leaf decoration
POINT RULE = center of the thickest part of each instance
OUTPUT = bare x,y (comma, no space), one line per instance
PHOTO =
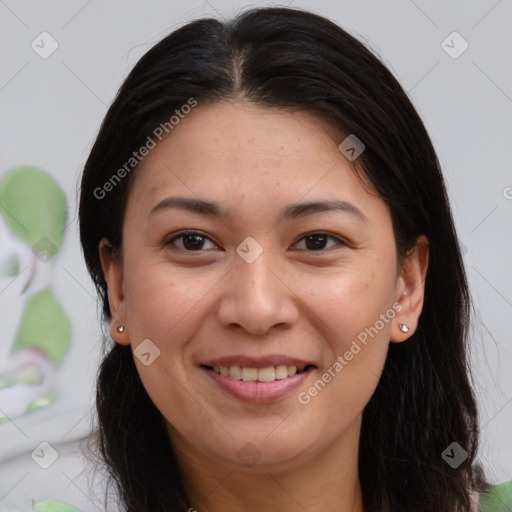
497,498
34,206
42,402
54,506
44,326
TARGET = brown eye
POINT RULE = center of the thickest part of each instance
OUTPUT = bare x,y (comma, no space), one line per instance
318,241
189,241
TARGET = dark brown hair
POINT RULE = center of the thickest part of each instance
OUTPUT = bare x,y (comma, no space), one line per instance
288,58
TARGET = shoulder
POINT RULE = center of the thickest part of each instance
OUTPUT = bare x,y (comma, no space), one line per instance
496,498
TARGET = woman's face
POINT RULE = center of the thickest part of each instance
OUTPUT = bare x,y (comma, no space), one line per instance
265,288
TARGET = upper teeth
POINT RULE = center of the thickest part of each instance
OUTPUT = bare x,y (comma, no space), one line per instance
267,374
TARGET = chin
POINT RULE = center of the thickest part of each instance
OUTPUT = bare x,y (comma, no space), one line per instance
266,454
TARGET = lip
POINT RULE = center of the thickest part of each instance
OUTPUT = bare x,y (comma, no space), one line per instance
258,362
257,392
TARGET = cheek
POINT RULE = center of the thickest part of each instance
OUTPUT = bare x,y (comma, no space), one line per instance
158,300
357,313
352,302
162,306
351,310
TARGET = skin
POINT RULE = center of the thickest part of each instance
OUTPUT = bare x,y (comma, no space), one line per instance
292,300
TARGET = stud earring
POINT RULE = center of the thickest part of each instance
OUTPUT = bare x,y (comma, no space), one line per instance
120,328
403,328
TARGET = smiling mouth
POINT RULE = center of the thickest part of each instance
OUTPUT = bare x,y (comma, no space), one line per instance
266,374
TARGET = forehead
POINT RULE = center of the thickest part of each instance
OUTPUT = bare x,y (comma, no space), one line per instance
239,150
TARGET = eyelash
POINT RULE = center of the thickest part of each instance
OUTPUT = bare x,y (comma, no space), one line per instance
202,235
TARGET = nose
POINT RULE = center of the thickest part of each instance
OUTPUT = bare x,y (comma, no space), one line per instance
257,298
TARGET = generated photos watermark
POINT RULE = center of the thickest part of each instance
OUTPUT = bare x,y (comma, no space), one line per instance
158,133
305,397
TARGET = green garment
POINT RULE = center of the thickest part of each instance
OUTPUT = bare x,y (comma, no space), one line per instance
497,498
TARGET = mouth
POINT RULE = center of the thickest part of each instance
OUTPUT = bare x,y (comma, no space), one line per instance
257,380
269,373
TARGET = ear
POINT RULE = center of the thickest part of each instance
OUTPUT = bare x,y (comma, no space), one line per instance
113,272
410,290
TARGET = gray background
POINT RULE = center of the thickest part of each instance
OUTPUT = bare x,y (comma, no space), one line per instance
51,110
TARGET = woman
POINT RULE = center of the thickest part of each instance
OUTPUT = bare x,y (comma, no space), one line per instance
266,222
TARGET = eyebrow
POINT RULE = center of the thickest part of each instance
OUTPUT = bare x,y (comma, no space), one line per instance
290,212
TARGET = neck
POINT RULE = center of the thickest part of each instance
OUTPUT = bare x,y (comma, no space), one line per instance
327,481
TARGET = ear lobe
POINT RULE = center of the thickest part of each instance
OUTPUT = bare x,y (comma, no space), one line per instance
411,290
113,273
